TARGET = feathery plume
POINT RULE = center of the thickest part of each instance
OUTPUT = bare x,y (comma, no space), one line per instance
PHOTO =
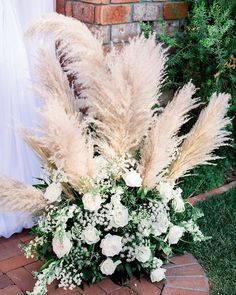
207,135
163,141
121,93
52,82
16,196
64,142
76,40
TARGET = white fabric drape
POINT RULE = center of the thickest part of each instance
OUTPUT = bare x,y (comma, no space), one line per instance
17,102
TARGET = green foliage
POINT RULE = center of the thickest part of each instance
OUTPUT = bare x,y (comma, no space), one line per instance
204,50
218,255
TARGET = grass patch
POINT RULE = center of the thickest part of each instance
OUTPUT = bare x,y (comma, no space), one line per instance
218,255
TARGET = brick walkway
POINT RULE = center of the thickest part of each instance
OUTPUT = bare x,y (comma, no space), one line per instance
184,276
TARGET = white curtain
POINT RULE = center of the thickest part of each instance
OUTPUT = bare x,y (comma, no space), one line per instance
17,101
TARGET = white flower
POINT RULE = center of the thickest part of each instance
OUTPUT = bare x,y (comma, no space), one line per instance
111,245
53,192
143,253
144,227
175,233
166,191
157,274
61,247
115,200
120,216
158,262
178,204
132,179
90,234
91,202
161,225
108,266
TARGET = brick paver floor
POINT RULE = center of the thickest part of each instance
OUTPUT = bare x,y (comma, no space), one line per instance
184,276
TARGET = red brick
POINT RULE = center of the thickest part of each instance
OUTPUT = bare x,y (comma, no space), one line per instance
14,262
114,14
5,281
124,291
97,1
60,6
124,1
35,266
61,291
22,278
84,12
11,290
107,285
176,291
92,289
196,283
101,32
176,10
147,11
144,287
9,248
183,259
123,32
195,269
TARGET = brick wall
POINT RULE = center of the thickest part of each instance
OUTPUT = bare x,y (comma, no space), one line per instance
117,20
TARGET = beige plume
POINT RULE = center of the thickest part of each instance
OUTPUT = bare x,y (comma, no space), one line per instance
121,93
16,196
207,135
162,142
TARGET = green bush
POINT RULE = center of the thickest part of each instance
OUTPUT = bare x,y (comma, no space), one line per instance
204,49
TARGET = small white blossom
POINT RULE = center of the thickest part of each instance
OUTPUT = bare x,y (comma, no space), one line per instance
108,266
132,179
143,253
61,247
166,191
157,275
111,245
90,235
175,233
178,204
91,202
53,192
120,216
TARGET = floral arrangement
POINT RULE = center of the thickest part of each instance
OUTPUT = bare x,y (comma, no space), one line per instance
111,205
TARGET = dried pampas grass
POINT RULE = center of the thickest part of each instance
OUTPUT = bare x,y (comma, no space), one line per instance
207,135
52,82
65,139
76,40
121,94
162,142
16,196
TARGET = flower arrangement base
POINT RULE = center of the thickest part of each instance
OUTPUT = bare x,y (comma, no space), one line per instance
184,276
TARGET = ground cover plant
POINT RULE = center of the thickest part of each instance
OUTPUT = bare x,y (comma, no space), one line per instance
218,254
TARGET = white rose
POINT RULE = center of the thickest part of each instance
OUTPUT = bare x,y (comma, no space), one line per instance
175,233
90,234
120,216
108,267
158,262
143,253
157,275
61,247
53,192
91,202
111,245
166,191
178,204
132,179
